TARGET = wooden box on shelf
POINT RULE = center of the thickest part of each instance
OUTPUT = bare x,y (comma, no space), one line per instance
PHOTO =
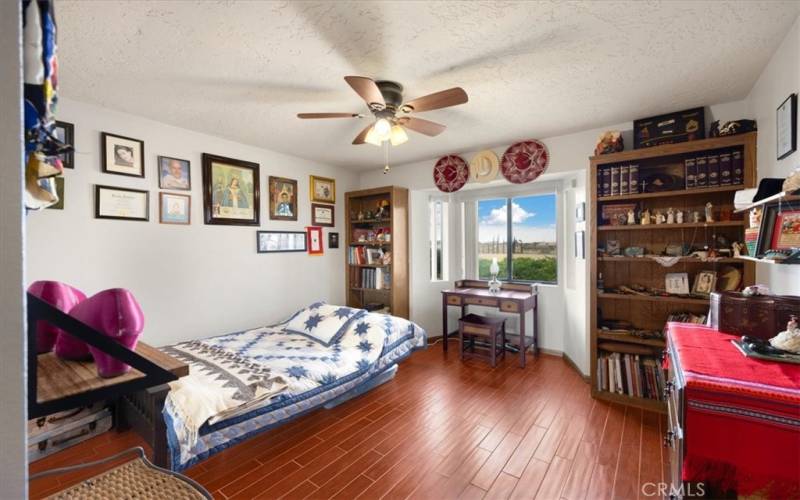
663,180
377,249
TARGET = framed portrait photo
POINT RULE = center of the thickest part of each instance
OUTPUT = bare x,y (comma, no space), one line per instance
333,240
174,173
323,189
314,240
121,155
705,282
121,203
282,198
786,123
230,191
174,208
323,215
65,132
280,241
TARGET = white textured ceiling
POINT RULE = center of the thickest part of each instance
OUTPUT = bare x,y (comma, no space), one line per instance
242,70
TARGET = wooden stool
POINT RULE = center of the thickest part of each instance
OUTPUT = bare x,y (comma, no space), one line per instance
492,331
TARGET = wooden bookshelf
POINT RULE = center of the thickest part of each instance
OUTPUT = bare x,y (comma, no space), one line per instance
393,294
644,311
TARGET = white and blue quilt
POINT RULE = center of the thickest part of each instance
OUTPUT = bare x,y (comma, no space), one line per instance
313,373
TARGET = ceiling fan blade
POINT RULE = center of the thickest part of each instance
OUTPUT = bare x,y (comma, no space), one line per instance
438,100
367,89
328,115
362,135
426,127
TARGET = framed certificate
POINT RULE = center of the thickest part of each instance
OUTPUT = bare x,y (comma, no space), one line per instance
121,203
787,127
281,241
322,215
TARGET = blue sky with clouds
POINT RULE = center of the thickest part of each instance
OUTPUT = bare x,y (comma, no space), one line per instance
533,218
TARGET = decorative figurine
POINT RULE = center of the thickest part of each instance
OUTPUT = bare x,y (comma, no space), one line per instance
731,128
631,217
755,217
679,217
659,217
788,340
368,215
709,212
360,215
670,216
696,217
737,249
609,142
644,218
383,209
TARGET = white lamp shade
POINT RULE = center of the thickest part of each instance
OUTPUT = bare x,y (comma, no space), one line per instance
373,138
495,267
398,135
383,128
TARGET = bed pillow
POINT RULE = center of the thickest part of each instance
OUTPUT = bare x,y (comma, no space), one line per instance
325,323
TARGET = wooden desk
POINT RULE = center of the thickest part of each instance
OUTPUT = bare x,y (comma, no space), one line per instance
512,298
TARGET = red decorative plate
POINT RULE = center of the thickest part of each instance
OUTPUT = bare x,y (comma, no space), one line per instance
450,173
524,161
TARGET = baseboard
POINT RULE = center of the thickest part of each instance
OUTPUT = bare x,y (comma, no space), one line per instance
571,363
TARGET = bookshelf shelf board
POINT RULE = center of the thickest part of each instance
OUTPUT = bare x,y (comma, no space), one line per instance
676,149
660,227
643,403
677,192
631,339
683,260
652,298
371,243
763,261
385,290
783,196
372,266
371,221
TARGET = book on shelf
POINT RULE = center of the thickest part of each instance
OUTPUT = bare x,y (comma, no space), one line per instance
373,278
624,178
701,180
632,375
606,181
690,166
737,167
633,179
725,173
713,170
615,181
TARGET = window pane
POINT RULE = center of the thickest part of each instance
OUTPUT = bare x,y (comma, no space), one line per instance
438,210
492,236
534,238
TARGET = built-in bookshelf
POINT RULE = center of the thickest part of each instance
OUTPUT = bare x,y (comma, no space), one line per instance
625,349
377,250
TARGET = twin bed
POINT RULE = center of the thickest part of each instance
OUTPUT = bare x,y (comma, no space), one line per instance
245,383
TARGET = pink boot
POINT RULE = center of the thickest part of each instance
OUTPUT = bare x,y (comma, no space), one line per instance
64,298
115,313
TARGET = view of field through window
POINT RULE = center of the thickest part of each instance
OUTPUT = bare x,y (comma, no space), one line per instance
532,248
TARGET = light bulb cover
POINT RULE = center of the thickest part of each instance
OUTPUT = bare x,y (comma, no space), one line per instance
372,138
382,128
398,135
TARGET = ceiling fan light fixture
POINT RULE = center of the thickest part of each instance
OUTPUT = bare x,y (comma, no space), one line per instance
372,137
398,135
382,128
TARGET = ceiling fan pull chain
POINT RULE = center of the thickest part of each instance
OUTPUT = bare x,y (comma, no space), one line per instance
386,168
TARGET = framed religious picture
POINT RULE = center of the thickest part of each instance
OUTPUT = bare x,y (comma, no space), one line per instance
65,132
230,191
786,123
280,241
174,173
174,208
323,189
333,240
282,198
121,155
677,283
314,240
322,215
705,282
121,203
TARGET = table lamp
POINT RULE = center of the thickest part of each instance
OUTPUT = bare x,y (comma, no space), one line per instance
494,268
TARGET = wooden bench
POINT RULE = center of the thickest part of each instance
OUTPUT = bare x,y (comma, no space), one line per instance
488,331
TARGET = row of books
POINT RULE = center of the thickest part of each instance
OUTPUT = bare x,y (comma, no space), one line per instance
375,278
723,169
630,374
617,180
366,256
685,317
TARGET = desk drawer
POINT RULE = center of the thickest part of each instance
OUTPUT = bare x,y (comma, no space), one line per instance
481,301
509,306
453,300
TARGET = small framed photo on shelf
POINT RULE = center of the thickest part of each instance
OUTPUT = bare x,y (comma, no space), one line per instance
333,240
65,132
122,155
121,203
174,173
323,189
704,283
322,215
677,283
786,123
314,240
174,208
282,198
280,241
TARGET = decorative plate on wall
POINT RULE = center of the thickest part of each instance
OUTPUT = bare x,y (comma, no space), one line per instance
450,173
484,166
524,161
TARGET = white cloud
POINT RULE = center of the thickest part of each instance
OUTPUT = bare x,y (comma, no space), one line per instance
499,216
491,232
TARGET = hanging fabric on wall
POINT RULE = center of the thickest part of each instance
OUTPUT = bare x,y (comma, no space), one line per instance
40,65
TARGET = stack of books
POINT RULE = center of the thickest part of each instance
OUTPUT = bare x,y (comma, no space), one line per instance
375,278
630,374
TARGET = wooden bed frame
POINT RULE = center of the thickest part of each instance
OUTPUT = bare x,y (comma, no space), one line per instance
142,412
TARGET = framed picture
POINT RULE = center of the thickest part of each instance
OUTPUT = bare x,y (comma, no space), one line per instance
230,191
580,212
677,283
333,240
65,132
59,205
121,203
174,208
786,122
580,246
282,198
314,240
704,283
323,189
322,215
174,173
785,233
280,241
121,155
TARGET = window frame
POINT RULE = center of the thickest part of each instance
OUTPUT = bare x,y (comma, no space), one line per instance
445,229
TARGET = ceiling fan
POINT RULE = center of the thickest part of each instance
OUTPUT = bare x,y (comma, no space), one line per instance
385,101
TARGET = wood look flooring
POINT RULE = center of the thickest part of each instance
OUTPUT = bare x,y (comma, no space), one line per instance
440,429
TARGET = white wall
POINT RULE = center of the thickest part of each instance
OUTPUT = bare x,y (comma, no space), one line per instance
13,453
191,281
779,79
